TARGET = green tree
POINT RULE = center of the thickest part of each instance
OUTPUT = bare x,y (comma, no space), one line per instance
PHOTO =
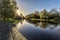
36,14
43,14
8,8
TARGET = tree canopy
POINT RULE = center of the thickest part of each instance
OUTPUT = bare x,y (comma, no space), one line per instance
8,8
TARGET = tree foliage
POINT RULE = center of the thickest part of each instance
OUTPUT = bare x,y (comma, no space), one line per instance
8,8
53,14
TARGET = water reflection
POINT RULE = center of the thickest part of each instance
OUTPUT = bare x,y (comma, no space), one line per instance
45,25
39,24
37,30
42,24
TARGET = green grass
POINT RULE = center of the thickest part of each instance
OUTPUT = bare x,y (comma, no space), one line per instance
52,20
10,21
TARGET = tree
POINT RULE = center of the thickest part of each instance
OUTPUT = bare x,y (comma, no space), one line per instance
8,8
53,10
36,12
54,13
36,15
1,13
21,15
43,14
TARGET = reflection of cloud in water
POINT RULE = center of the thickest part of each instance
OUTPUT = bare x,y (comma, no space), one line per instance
53,28
19,25
39,25
46,25
57,28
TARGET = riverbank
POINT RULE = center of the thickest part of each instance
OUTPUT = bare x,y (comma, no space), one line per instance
52,20
8,32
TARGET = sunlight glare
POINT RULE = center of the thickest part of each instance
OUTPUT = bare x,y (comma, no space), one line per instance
18,12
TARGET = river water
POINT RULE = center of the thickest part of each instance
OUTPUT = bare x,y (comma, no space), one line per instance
37,30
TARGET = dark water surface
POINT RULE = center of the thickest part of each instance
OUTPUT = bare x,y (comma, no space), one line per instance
36,30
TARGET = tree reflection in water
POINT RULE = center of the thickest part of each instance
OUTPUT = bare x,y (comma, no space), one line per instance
43,24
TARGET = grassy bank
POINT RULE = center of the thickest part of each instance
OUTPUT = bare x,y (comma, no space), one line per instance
52,20
10,21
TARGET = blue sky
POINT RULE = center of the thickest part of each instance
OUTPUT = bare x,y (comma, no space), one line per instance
29,6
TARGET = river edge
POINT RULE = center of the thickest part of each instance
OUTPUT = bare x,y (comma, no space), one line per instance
8,32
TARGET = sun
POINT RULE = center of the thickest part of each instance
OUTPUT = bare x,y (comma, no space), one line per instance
18,12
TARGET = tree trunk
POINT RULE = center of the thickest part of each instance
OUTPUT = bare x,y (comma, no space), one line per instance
4,18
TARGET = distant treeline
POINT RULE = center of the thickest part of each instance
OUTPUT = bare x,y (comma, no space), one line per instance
53,14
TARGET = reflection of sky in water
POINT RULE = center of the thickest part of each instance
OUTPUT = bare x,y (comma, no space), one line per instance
19,25
51,27
31,32
28,25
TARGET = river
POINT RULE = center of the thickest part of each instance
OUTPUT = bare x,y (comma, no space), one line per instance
37,30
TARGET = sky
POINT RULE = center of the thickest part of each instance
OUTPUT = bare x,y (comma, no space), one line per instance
29,6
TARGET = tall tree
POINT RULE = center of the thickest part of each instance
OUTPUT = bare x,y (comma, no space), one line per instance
8,9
